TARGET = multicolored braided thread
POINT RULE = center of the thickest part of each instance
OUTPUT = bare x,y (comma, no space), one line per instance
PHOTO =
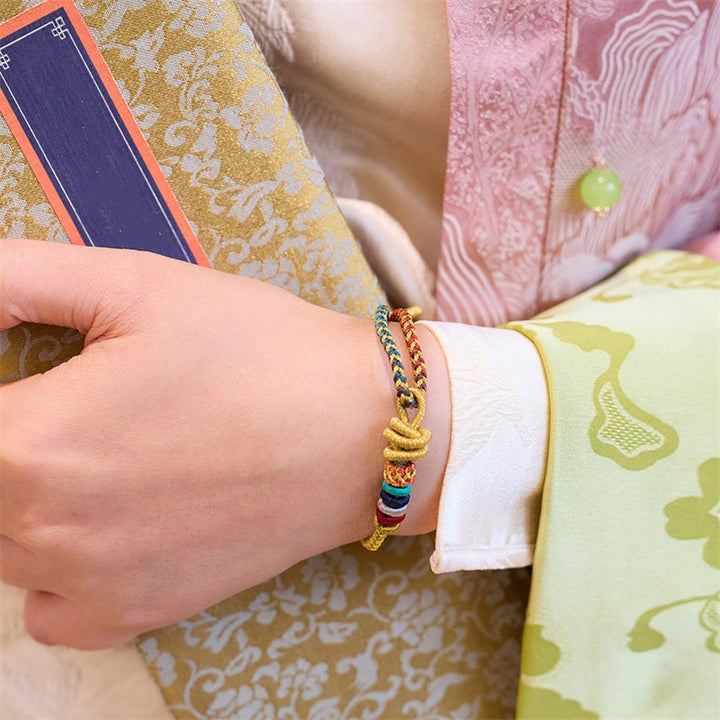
407,440
406,318
381,320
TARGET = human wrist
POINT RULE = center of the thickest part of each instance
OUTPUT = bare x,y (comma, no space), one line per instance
372,397
423,509
421,513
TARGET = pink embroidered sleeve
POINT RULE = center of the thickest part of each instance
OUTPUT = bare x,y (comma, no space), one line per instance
538,89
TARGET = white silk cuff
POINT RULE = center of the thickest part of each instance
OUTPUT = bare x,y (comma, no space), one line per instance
490,501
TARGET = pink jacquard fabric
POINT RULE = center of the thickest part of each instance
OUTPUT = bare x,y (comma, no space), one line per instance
538,89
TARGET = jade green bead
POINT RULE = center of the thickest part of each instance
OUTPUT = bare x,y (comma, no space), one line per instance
600,189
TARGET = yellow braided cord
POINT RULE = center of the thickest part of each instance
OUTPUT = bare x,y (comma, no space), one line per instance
380,319
378,537
407,441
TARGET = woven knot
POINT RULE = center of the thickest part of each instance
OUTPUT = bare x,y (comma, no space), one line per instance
407,441
399,475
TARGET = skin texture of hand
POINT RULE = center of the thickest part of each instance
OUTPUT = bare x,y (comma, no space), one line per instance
214,431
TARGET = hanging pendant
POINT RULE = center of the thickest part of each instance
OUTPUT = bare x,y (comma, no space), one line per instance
600,188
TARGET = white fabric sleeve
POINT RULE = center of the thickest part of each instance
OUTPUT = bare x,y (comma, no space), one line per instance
490,501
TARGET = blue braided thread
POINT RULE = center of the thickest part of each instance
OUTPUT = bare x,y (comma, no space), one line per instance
380,319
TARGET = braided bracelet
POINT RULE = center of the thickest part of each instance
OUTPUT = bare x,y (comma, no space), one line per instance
407,440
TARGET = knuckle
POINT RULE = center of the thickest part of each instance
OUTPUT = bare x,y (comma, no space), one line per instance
101,637
30,529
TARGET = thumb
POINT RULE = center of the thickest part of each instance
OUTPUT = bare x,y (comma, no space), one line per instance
57,284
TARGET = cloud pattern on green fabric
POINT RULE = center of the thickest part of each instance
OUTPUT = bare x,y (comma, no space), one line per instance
685,271
695,517
540,656
621,430
690,518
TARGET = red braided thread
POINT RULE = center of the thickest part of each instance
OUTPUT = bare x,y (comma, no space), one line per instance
407,325
400,472
387,522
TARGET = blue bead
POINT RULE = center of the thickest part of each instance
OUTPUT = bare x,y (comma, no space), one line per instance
392,501
397,491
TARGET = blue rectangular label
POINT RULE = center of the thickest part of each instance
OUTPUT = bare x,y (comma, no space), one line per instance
109,184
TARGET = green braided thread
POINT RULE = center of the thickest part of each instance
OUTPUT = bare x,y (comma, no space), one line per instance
380,318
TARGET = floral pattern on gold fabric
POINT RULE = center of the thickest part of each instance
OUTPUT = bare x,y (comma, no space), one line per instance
223,134
347,635
344,634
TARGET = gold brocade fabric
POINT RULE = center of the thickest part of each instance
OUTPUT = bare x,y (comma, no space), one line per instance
348,634
224,137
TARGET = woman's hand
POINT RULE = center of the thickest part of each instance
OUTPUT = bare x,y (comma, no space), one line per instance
214,431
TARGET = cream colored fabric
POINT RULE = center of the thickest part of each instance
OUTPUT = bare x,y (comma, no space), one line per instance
369,82
53,683
387,247
491,494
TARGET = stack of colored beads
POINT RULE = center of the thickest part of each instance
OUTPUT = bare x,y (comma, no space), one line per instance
407,440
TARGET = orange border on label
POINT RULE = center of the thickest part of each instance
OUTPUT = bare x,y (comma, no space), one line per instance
17,23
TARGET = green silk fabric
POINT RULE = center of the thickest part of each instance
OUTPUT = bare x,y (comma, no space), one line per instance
624,609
